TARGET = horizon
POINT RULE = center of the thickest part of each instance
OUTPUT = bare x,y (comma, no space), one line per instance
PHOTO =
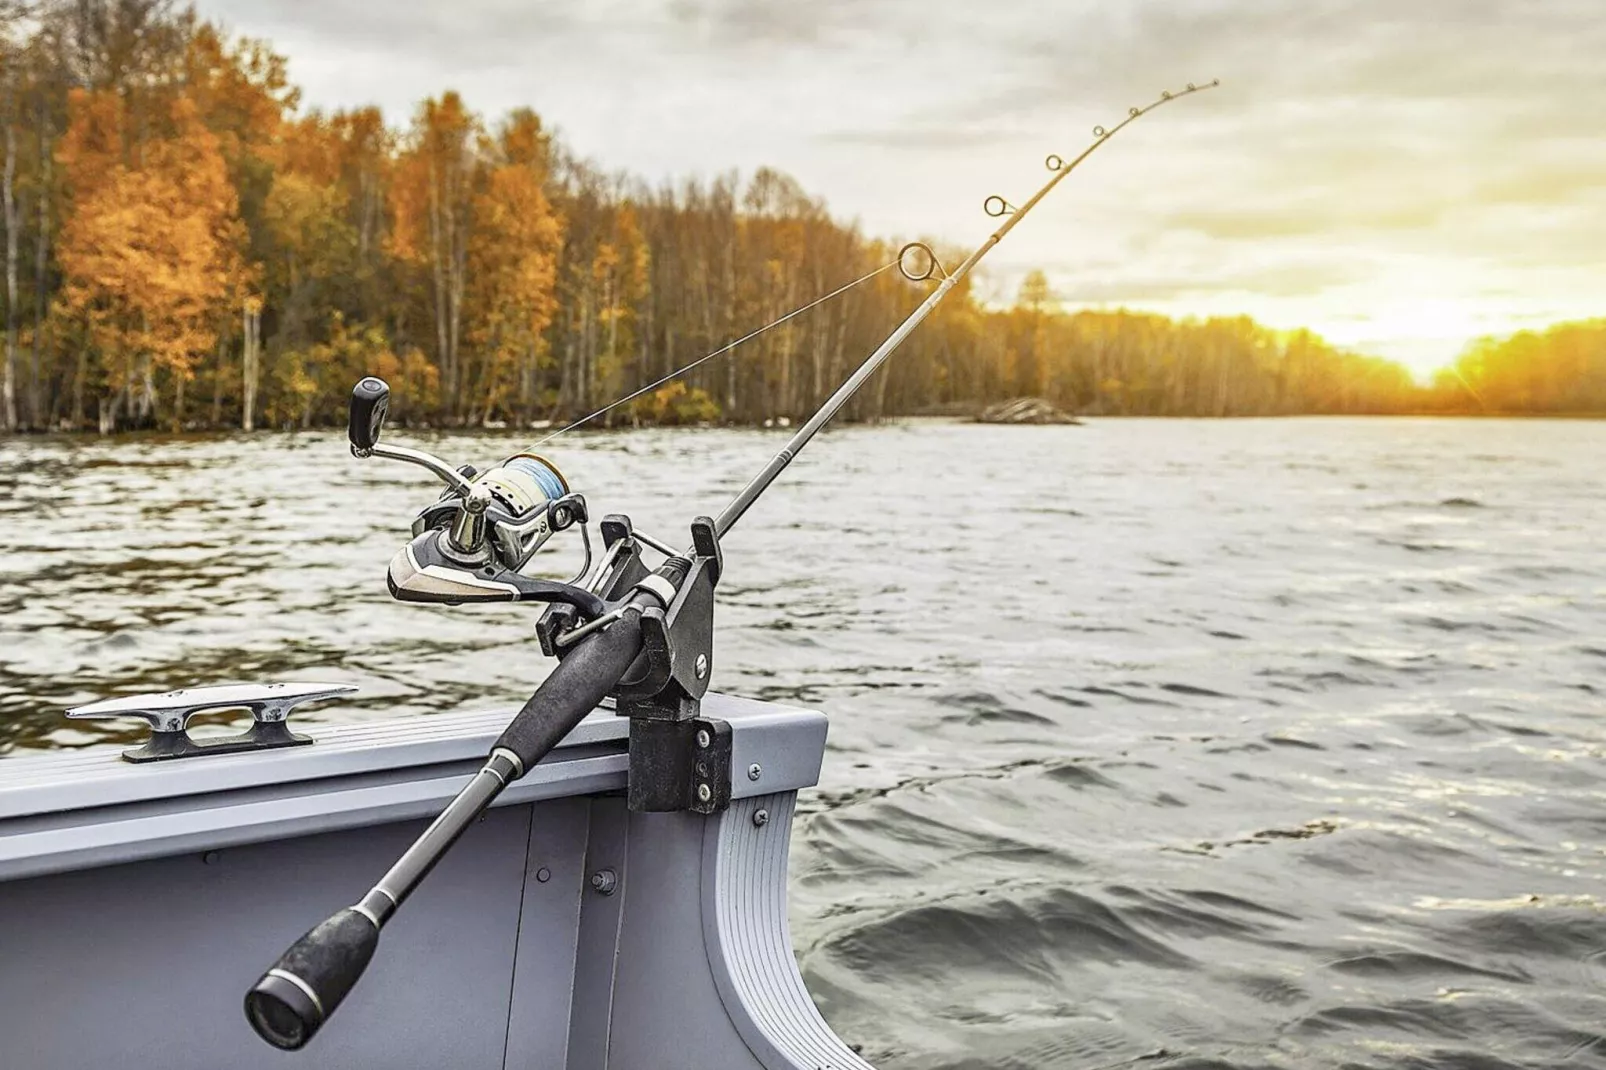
1383,224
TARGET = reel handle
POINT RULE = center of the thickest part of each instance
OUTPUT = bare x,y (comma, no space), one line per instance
370,401
365,419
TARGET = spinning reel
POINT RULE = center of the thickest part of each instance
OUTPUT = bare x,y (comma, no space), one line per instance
471,544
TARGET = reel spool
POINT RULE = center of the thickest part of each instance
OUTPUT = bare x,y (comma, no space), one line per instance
524,482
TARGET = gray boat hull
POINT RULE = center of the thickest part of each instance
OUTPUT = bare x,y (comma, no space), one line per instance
563,931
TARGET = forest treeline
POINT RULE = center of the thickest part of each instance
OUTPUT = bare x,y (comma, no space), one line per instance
1559,371
186,247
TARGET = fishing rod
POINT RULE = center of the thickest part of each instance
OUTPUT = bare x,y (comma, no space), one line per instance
643,636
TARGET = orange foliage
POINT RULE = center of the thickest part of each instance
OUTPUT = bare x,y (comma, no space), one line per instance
513,271
433,180
150,249
244,93
182,219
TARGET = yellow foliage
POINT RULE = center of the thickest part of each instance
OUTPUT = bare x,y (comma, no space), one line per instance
243,90
304,217
189,221
415,379
675,404
149,249
307,380
512,277
432,179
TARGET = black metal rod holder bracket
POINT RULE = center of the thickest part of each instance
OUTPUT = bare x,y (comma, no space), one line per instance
662,694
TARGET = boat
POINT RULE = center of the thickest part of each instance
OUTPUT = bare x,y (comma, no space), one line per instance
595,880
563,930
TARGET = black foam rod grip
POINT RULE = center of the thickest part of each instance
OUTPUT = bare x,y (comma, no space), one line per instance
370,400
300,991
584,676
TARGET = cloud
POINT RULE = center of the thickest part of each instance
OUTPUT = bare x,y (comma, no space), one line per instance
919,138
1133,283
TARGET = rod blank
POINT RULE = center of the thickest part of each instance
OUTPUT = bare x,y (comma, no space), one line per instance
833,404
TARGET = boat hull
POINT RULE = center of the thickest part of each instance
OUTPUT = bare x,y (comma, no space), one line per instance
563,930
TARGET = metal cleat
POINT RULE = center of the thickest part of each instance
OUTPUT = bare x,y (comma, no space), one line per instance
169,713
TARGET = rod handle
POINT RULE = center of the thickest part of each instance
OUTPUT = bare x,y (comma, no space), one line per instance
572,690
588,672
298,993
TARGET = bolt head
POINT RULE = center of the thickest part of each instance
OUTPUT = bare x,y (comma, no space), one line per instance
700,666
704,792
703,739
543,874
761,818
755,771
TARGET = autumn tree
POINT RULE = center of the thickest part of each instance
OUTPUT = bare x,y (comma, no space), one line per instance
433,196
307,241
618,284
150,250
10,91
241,91
363,166
1561,369
512,270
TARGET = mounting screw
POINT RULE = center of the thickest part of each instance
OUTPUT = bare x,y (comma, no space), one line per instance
703,739
755,771
543,874
704,792
761,818
700,666
604,881
210,858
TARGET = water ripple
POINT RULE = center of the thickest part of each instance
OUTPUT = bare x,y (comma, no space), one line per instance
1155,743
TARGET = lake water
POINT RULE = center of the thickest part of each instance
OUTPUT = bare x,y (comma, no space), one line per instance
1157,743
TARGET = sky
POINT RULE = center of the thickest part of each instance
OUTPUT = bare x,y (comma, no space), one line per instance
1398,175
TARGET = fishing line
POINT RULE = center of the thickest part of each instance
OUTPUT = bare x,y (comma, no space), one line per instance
994,206
726,348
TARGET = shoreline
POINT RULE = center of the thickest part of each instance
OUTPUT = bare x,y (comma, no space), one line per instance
154,433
